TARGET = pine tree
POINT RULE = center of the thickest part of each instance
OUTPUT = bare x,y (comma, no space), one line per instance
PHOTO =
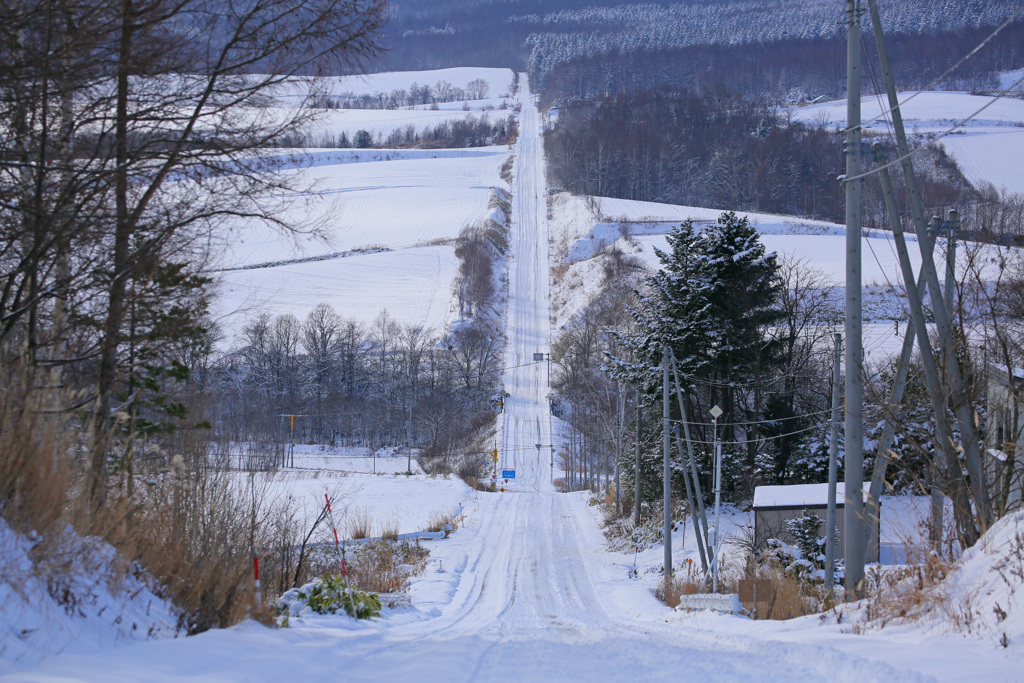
713,302
673,309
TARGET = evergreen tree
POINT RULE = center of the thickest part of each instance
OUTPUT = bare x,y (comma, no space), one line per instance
742,288
713,302
673,309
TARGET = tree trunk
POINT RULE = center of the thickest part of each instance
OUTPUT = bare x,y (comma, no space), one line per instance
119,276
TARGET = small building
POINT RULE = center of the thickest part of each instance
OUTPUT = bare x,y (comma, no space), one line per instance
1004,469
821,99
776,505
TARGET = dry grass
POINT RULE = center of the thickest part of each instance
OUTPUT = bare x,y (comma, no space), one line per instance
439,519
36,472
506,169
389,529
385,566
671,592
188,525
193,528
359,523
907,593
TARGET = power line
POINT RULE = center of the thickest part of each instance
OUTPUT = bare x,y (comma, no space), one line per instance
763,438
948,71
757,422
947,132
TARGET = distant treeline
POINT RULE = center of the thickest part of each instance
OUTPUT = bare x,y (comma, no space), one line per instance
786,69
354,384
719,150
612,46
470,131
442,91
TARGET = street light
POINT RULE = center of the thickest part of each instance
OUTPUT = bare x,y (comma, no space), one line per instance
551,464
716,412
539,357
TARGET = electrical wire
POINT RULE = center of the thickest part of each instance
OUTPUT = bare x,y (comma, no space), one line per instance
945,73
949,131
748,424
762,439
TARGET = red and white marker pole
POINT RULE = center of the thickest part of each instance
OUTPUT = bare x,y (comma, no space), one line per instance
256,575
341,553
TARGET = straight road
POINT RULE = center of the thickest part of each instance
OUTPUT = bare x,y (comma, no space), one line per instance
522,592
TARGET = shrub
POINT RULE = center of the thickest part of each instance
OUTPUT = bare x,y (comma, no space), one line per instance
329,594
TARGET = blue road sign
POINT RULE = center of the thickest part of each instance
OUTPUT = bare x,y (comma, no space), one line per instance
508,474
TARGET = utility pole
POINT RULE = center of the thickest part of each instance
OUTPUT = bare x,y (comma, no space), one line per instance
954,377
636,467
929,364
949,290
833,471
854,540
619,409
667,470
408,440
716,412
700,519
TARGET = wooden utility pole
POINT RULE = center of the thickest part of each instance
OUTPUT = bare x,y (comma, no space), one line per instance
957,391
854,541
929,365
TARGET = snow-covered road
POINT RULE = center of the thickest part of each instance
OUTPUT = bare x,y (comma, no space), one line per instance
522,592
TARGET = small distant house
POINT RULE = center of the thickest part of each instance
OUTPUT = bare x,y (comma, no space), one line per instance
821,99
776,505
1004,468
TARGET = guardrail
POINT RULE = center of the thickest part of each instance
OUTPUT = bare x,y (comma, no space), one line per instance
728,603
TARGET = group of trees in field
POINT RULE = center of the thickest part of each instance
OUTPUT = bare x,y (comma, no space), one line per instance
470,131
130,145
416,95
753,334
354,384
719,149
748,333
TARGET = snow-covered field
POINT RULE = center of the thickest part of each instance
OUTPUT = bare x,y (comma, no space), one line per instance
411,284
406,502
988,148
381,224
420,117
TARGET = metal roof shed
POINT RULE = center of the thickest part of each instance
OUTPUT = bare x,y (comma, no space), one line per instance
776,505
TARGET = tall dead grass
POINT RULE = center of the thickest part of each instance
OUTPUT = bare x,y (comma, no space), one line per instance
359,523
188,524
36,471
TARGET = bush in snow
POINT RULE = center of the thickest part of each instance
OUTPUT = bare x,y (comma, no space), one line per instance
327,595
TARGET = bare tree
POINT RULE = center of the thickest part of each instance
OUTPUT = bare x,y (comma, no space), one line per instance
140,119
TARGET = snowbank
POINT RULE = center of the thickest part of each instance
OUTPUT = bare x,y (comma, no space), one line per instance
984,596
80,598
